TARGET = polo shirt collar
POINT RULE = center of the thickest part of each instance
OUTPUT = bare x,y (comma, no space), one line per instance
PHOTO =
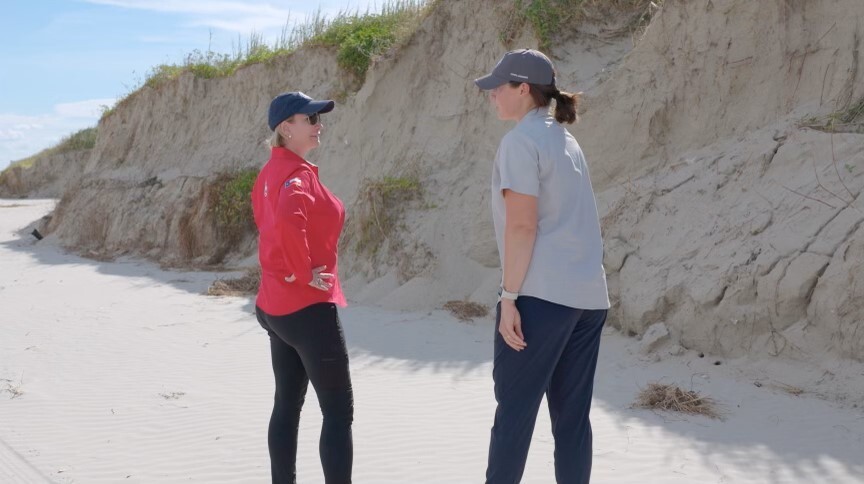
535,114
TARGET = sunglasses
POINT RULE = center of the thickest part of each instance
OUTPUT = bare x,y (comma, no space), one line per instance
313,118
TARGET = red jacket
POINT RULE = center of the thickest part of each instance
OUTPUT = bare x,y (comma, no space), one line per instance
299,221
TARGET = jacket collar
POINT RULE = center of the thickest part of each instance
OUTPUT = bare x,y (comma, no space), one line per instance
290,160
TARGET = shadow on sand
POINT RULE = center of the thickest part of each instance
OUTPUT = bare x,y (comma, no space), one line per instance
424,340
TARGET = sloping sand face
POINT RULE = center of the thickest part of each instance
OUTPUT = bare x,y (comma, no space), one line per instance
123,372
726,216
49,176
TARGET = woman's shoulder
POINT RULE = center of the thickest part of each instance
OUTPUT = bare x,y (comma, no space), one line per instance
519,135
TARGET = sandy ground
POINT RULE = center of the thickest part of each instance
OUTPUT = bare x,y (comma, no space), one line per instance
123,372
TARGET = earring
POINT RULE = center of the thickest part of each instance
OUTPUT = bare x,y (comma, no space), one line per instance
289,135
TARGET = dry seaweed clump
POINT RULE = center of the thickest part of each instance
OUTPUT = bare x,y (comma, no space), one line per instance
241,286
658,396
466,310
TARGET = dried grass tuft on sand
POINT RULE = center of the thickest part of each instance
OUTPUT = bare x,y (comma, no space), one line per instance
241,286
466,310
659,396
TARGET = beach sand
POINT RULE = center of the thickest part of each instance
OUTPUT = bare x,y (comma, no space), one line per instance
123,372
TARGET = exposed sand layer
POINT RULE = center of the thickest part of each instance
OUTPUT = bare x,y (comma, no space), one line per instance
725,220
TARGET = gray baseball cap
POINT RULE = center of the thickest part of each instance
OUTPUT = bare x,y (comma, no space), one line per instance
522,65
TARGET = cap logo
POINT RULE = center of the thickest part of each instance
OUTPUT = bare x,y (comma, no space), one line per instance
518,75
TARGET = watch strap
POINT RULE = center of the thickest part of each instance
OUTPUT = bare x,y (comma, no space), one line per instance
505,294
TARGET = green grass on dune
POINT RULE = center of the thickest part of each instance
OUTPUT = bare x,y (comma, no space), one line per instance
549,18
358,38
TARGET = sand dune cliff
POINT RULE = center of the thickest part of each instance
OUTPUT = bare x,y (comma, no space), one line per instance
732,214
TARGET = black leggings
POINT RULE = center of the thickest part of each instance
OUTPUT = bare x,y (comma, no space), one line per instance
309,345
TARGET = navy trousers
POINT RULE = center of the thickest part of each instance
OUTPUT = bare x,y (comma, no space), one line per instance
559,361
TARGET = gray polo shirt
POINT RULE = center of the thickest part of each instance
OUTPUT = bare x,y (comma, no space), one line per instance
540,158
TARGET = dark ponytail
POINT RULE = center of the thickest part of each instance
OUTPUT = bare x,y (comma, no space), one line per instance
566,103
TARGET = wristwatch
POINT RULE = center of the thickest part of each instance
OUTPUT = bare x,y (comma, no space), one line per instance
505,294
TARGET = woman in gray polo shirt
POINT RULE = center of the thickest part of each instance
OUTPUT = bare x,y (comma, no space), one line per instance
553,295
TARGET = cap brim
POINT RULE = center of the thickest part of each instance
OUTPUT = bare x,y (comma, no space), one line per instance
489,82
318,107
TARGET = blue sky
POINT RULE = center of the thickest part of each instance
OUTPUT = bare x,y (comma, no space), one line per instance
61,60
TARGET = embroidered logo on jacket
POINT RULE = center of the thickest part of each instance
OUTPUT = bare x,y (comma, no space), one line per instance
294,181
265,189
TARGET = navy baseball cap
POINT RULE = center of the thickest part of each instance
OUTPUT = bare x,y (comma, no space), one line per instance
522,65
288,104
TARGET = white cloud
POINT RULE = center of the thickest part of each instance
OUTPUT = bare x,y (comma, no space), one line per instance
205,7
242,25
242,17
25,135
83,109
10,135
173,38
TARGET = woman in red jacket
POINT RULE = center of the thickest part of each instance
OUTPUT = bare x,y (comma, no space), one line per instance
299,221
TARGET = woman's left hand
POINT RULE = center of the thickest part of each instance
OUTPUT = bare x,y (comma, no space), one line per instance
510,325
321,280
